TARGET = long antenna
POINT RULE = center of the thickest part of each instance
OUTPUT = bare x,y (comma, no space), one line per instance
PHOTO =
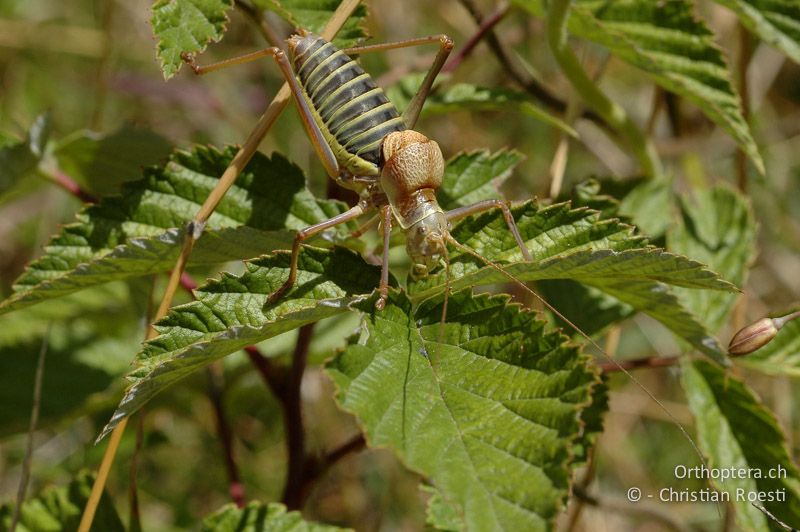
446,295
555,311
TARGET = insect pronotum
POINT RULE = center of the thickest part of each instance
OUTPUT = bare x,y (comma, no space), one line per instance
367,146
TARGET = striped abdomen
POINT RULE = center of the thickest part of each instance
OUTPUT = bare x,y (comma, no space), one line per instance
351,109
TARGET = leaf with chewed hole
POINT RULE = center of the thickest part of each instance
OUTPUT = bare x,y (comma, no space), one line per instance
487,408
186,26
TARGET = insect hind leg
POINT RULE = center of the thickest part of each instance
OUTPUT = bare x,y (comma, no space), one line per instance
411,114
313,130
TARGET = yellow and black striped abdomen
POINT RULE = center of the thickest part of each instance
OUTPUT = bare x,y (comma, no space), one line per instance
352,109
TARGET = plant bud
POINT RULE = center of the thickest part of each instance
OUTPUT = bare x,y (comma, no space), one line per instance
752,337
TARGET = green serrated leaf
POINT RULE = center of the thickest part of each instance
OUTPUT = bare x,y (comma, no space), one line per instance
589,308
60,508
781,356
312,15
665,40
717,228
475,176
736,431
228,316
576,244
186,26
134,235
467,97
260,517
488,413
776,22
101,163
567,244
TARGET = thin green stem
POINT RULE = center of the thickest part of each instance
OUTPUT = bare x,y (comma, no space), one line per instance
612,113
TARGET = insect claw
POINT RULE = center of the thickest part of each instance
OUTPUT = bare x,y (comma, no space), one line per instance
380,304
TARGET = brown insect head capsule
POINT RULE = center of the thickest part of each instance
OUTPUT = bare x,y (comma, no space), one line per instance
412,171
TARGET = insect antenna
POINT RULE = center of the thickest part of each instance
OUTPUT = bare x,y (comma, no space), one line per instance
446,258
613,361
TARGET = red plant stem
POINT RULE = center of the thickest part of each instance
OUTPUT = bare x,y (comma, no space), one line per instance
235,486
187,283
647,362
485,26
352,446
293,421
71,186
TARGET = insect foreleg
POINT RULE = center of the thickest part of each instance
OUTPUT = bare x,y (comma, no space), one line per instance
411,113
383,288
485,205
307,233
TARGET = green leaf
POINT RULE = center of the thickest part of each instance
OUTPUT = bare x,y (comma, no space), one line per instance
649,206
101,163
131,235
19,160
260,517
68,381
312,15
776,22
91,338
441,514
717,228
781,356
677,50
60,508
576,244
488,413
467,97
736,430
228,316
186,26
589,308
475,176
